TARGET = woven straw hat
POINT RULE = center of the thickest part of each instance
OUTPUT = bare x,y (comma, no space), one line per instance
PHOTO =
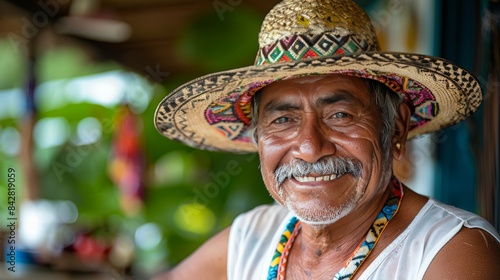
311,37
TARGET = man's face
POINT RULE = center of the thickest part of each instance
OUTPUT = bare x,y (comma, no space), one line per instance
313,119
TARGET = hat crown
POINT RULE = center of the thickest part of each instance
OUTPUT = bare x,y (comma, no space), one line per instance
345,26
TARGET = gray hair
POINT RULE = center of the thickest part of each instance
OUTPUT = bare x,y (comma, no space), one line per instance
386,100
324,166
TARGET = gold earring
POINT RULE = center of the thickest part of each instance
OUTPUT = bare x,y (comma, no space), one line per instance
398,146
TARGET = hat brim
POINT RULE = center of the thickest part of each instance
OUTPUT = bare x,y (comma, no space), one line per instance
456,94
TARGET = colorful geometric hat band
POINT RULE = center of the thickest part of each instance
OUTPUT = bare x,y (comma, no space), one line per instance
308,46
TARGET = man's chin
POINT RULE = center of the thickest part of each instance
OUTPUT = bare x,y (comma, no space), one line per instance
319,216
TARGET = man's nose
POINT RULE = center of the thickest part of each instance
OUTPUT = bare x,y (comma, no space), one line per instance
312,142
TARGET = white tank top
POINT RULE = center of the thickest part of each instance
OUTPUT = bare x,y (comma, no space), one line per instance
255,234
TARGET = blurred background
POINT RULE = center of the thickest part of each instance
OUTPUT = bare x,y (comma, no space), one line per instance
99,194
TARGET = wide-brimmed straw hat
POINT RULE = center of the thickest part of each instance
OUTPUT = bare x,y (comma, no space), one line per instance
314,37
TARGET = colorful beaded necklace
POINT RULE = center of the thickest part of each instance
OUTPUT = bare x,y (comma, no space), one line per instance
278,265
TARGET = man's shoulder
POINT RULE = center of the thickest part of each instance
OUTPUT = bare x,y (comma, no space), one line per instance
471,247
430,232
252,240
438,214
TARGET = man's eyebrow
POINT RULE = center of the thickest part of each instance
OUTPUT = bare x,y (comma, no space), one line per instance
336,97
279,106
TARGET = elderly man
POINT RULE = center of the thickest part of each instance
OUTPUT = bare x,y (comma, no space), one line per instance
327,111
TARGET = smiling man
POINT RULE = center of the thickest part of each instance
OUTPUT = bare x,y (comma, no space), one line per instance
321,136
328,112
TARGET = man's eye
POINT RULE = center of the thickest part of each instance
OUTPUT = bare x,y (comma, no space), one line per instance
340,115
281,120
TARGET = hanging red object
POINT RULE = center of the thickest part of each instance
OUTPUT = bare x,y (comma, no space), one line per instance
126,165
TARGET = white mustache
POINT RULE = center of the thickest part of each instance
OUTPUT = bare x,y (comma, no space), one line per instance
324,166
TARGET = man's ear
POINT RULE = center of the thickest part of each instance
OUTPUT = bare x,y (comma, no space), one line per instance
402,125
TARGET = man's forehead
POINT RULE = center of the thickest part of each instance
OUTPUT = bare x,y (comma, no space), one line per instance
334,84
317,78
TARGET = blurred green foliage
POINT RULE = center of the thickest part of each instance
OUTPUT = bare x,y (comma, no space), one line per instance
190,194
216,44
12,66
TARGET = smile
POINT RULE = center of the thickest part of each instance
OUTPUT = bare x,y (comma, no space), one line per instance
324,178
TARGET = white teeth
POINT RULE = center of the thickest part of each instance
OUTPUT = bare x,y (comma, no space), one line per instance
305,179
317,179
